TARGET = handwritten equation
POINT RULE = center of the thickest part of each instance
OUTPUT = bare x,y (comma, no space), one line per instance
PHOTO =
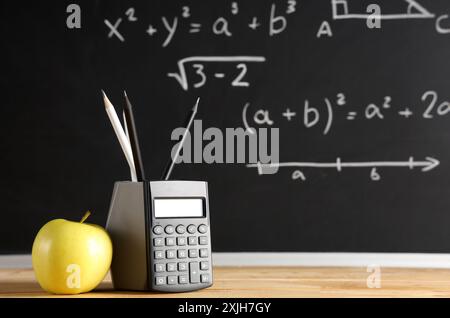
271,19
273,22
323,114
186,23
199,62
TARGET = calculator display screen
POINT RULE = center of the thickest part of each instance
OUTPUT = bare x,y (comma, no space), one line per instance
178,208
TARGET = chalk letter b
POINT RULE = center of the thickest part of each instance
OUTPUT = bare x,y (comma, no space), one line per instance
310,115
273,29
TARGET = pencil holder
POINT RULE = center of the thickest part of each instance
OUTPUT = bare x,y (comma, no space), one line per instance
133,227
126,227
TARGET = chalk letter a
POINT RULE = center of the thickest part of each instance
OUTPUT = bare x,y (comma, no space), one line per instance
324,29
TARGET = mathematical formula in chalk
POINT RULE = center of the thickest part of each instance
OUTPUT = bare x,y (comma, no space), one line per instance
239,20
322,114
198,63
274,20
187,23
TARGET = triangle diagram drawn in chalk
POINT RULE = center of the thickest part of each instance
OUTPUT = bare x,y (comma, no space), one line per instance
415,8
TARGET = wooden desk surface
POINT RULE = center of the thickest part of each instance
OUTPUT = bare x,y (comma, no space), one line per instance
271,282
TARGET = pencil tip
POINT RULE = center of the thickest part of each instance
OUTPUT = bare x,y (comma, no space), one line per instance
127,100
196,105
105,99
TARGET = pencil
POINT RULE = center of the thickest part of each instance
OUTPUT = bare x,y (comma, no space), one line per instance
188,123
134,140
125,128
123,140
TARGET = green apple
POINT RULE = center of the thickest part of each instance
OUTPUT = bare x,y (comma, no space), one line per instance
71,257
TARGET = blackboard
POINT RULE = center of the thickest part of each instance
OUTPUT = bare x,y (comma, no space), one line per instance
373,178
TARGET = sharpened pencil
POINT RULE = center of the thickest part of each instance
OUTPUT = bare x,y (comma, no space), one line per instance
189,120
123,140
134,140
125,128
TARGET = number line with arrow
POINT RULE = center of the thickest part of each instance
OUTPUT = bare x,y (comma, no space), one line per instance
428,164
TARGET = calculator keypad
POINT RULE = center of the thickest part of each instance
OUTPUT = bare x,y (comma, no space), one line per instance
179,258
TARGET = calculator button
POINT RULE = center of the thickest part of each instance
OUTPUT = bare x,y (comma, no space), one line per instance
172,280
181,229
158,230
158,241
203,252
205,278
182,254
203,240
182,267
171,267
192,240
170,254
160,280
183,279
181,241
170,241
159,254
191,229
159,268
194,272
204,266
169,229
193,253
202,228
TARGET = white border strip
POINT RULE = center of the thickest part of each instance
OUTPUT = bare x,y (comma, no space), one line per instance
15,261
405,260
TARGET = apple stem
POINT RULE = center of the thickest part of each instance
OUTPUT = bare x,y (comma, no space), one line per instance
86,215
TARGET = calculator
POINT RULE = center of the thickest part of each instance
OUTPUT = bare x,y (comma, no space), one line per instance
179,236
161,236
